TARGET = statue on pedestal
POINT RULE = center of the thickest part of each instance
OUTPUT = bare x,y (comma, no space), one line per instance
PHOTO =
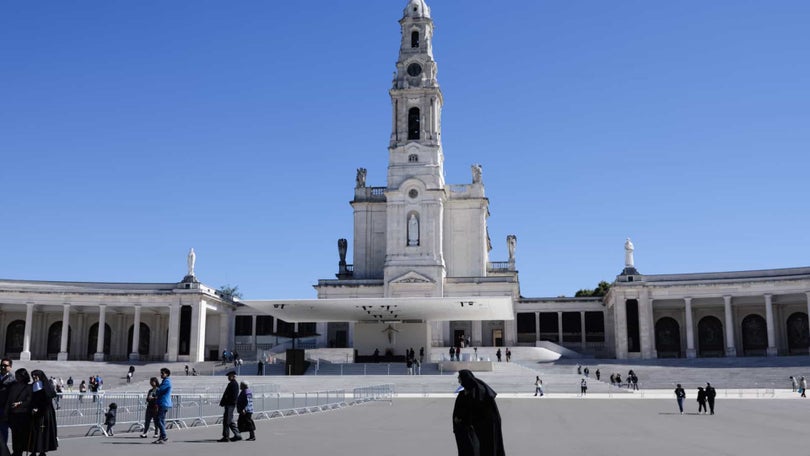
628,254
360,180
190,260
476,173
343,246
511,243
413,231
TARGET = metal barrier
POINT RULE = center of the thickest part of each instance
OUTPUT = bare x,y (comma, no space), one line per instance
193,409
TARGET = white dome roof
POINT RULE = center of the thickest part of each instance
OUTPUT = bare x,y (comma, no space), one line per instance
417,8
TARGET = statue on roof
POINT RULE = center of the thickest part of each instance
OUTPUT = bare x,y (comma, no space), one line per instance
477,171
511,243
190,260
628,254
360,180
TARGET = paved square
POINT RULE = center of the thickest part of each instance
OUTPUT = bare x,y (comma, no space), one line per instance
592,426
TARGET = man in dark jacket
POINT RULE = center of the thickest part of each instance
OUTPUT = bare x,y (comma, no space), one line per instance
476,419
6,380
710,394
228,402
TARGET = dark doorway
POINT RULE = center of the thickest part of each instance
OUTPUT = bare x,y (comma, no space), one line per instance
754,335
594,327
55,339
631,311
184,341
143,339
92,339
15,333
798,335
710,337
525,327
668,338
549,329
572,327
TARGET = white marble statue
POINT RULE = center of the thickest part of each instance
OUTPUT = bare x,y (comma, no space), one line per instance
511,243
413,231
477,171
192,258
628,254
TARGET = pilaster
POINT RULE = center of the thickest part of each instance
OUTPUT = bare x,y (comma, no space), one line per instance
690,331
731,350
63,343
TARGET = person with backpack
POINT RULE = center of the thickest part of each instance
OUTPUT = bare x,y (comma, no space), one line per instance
680,395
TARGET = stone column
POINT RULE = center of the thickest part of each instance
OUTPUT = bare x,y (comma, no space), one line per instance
731,350
134,355
197,349
620,325
224,320
645,332
772,351
172,344
25,355
102,324
559,328
350,335
808,309
537,326
510,332
63,344
253,333
583,341
477,332
690,329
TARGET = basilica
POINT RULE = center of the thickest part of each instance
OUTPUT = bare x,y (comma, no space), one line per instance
421,277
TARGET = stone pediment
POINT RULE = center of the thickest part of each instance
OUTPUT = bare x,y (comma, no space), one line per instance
412,277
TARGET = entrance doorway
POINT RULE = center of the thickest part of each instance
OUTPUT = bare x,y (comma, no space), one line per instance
458,337
497,337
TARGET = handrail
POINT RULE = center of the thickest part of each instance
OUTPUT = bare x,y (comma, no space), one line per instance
192,409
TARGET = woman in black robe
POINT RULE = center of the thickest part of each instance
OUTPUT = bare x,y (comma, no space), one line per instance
43,423
476,420
18,411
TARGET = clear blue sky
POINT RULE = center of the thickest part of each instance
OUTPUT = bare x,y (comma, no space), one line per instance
131,131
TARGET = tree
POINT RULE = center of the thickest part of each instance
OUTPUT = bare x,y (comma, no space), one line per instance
230,292
600,290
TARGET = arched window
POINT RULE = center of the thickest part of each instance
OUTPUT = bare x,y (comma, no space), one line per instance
668,338
414,39
143,339
413,158
92,339
413,123
15,332
55,338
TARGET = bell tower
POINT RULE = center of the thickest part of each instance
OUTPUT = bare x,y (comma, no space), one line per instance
415,194
416,102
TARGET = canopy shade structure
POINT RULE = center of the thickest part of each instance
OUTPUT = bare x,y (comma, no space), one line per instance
388,309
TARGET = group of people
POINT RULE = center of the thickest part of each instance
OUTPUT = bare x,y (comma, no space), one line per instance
631,380
27,410
239,397
413,363
799,386
508,355
704,396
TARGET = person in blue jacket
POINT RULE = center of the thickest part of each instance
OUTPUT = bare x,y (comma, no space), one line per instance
164,403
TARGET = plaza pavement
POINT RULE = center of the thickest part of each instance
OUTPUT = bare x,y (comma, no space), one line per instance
531,426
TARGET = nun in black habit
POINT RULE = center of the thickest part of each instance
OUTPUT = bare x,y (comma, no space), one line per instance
476,420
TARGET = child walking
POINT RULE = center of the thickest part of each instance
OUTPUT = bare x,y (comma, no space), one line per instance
109,418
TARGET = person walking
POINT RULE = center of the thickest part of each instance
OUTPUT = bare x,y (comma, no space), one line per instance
680,395
43,437
583,387
538,386
476,419
803,386
109,418
794,383
710,395
164,403
82,390
151,408
244,406
498,355
228,403
18,411
598,375
701,400
508,355
70,384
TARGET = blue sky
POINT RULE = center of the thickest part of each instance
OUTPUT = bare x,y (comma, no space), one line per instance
132,131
